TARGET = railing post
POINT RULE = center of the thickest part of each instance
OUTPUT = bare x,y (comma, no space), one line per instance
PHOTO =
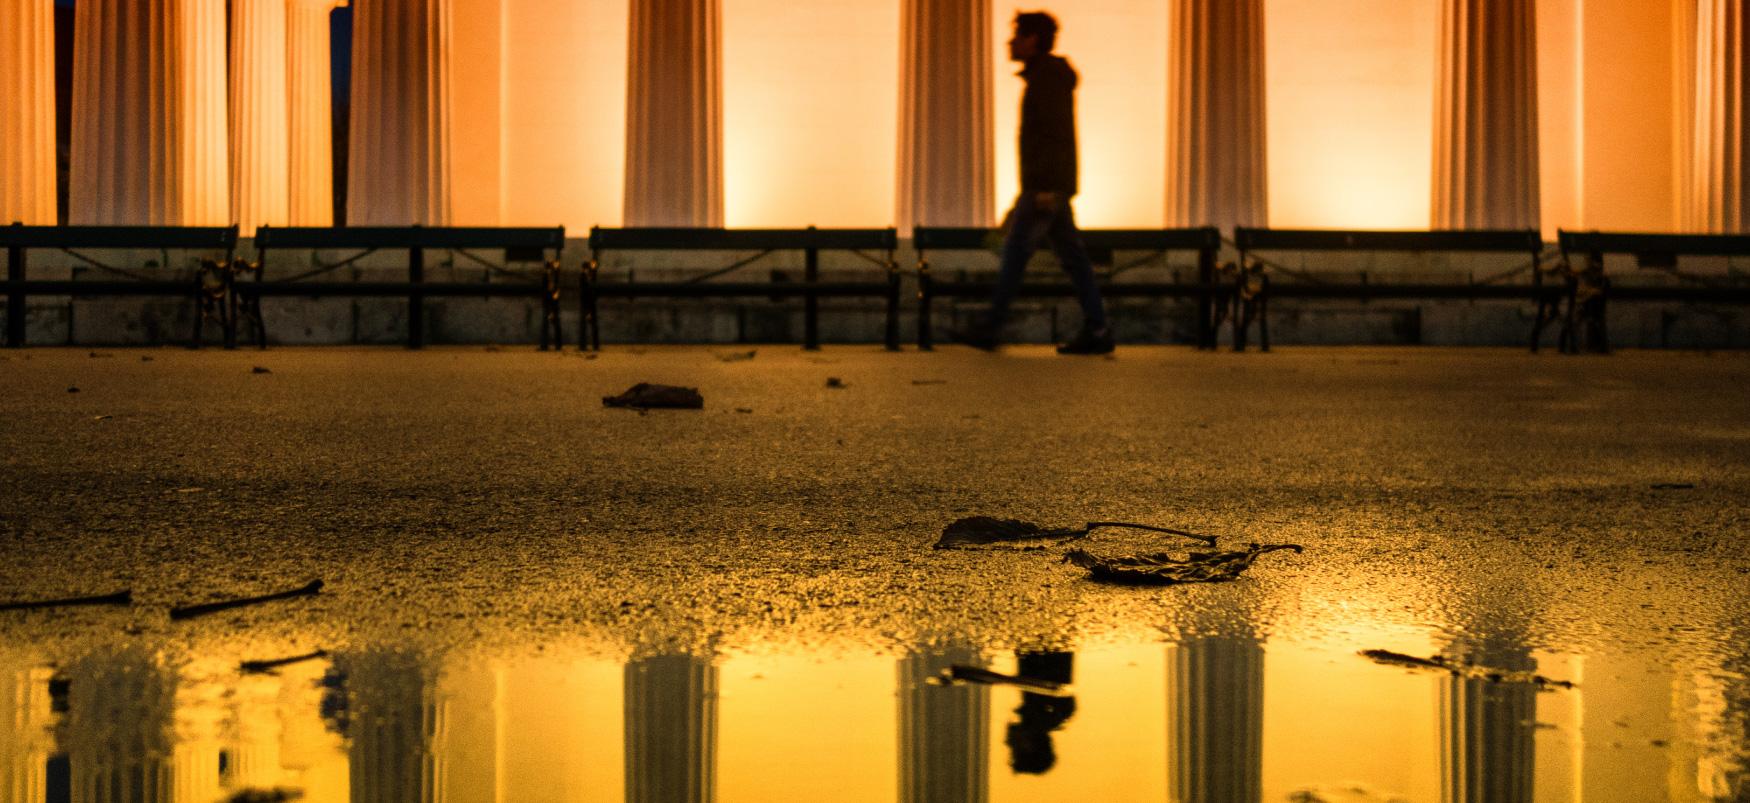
1206,298
15,307
415,298
892,303
926,340
811,304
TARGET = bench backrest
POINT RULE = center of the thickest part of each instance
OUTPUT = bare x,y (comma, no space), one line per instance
1512,240
358,237
177,237
701,239
1654,245
937,238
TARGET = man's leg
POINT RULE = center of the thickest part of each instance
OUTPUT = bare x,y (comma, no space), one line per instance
1066,240
1027,226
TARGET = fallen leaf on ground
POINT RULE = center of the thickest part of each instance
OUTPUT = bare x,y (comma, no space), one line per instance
1166,568
648,396
736,356
835,382
259,370
973,532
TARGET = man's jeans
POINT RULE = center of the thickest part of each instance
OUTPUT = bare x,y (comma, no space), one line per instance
1028,225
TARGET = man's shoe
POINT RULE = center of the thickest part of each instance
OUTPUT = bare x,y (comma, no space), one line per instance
1089,341
982,338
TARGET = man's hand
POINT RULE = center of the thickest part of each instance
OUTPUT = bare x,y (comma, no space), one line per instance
1046,201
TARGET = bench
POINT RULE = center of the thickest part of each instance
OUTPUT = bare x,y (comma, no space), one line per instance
1100,243
519,244
1588,288
208,288
810,241
1253,287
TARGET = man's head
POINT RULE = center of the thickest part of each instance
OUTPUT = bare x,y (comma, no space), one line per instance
1035,34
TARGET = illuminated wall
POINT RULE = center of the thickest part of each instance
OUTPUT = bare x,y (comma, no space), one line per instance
810,112
1119,47
1349,95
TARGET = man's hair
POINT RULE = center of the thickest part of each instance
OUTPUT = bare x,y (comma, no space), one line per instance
1040,24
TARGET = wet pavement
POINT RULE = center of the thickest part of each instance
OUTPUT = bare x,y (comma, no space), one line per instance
530,597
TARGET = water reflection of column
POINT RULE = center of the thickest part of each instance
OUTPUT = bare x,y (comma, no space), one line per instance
671,729
25,736
1487,750
394,720
1215,717
117,729
944,731
255,733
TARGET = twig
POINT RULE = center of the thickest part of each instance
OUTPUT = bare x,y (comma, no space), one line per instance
189,611
255,667
118,598
1207,539
960,673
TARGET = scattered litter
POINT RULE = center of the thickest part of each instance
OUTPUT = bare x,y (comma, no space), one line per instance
259,370
736,356
647,396
100,355
1164,568
278,794
72,390
102,417
929,381
744,409
493,349
190,490
145,358
960,673
835,382
973,532
1673,486
118,598
257,667
1442,663
189,611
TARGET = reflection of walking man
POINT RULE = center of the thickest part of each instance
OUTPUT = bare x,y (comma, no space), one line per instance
1048,180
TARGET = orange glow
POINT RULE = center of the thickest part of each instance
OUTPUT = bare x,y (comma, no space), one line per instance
1349,94
810,112
1120,49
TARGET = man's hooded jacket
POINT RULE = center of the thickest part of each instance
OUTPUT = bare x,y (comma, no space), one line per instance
1048,126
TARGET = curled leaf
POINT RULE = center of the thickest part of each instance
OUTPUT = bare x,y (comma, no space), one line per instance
1166,568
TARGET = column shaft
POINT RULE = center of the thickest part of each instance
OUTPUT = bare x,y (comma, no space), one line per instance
674,114
1485,127
310,114
1719,194
27,112
398,158
1215,127
671,729
259,124
946,146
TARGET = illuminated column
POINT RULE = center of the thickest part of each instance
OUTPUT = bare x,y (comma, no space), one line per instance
1719,199
27,112
26,738
310,113
259,156
944,731
1215,111
395,722
398,170
947,170
1215,713
149,134
674,114
1485,117
671,729
1487,744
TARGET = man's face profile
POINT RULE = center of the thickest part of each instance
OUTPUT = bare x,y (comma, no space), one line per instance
1023,46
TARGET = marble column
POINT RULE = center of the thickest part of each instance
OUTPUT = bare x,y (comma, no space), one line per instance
26,730
149,142
309,114
396,722
947,169
1215,720
674,114
1487,732
259,123
1719,193
1485,117
398,170
1215,114
27,112
944,731
671,729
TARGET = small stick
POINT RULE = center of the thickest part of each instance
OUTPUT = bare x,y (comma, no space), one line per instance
118,598
960,673
188,611
1207,539
256,667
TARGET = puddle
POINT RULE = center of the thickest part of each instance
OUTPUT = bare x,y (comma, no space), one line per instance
1215,717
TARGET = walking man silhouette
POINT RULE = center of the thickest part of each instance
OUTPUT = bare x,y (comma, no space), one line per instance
1048,181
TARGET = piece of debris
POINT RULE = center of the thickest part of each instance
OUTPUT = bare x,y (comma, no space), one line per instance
100,355
257,667
973,532
744,409
259,370
189,611
1673,486
1165,568
736,356
190,490
1441,663
493,349
125,597
145,358
73,390
102,417
648,396
835,382
961,673
929,381
278,794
